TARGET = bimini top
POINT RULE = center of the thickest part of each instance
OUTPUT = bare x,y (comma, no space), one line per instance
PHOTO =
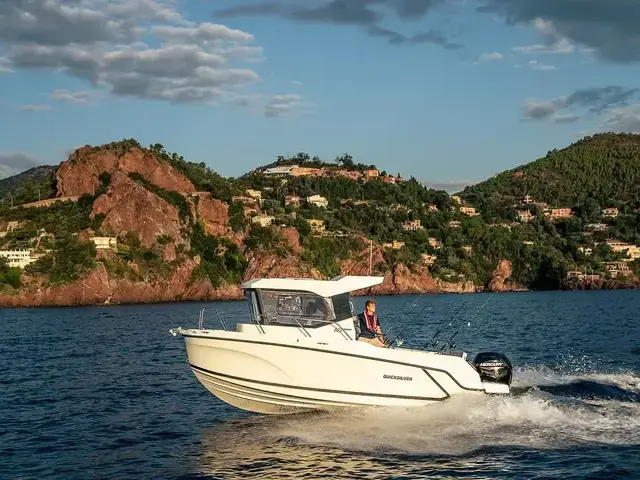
324,288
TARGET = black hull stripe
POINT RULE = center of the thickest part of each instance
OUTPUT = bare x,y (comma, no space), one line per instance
353,355
436,382
329,403
311,389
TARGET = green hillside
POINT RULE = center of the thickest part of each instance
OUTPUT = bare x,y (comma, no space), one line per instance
28,186
603,169
545,252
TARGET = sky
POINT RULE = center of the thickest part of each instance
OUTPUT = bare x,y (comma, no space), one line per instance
450,92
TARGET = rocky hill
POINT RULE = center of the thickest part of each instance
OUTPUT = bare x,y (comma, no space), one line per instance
133,224
174,242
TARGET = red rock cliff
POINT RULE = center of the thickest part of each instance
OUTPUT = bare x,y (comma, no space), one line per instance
79,175
129,207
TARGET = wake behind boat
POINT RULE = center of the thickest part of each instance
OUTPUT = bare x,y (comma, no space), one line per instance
298,351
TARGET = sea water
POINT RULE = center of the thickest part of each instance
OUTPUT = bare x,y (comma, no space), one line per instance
106,392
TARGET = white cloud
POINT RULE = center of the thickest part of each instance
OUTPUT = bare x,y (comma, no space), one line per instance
205,33
282,105
622,120
34,108
536,65
130,48
5,66
77,97
542,109
490,57
553,43
610,104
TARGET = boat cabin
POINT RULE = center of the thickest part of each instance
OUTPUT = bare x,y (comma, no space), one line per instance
305,302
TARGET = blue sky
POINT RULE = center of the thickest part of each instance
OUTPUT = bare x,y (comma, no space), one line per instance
448,91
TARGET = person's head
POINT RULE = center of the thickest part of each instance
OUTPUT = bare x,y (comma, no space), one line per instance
312,308
370,306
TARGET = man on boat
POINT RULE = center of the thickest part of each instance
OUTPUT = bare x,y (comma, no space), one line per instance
370,330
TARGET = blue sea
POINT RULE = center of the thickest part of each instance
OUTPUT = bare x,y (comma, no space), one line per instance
106,392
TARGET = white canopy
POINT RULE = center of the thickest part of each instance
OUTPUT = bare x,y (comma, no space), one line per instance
324,288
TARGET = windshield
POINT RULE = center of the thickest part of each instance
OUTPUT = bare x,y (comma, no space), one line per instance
293,308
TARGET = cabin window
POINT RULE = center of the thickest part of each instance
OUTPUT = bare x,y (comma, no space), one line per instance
295,308
342,306
254,309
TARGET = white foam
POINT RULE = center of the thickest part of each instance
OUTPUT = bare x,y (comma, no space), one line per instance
465,423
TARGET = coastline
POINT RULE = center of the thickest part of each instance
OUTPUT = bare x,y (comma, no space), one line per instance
58,303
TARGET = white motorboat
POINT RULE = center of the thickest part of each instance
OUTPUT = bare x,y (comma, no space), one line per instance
297,352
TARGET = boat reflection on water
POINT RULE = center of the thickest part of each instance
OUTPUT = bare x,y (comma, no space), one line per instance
523,436
322,445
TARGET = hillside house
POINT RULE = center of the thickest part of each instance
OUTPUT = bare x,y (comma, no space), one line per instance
255,194
350,174
575,274
432,208
395,245
244,199
435,243
456,199
427,259
318,201
392,179
105,243
18,258
263,220
454,224
293,200
617,268
371,174
398,207
412,225
469,211
317,226
307,172
633,252
588,251
525,215
248,211
596,227
281,171
557,213
610,212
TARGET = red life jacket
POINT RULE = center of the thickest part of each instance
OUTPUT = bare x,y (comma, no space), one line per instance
372,322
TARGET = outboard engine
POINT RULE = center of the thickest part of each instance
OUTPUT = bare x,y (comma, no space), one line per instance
494,367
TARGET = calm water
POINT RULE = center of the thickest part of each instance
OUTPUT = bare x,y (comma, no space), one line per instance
107,393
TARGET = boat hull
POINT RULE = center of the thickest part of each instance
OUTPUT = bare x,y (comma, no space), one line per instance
281,378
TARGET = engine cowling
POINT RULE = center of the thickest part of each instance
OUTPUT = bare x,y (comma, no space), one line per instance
494,367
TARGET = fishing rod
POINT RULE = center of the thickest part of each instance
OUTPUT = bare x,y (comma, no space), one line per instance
453,345
424,309
409,304
402,332
433,340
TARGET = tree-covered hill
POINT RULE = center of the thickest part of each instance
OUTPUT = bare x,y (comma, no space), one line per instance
603,169
413,226
28,186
